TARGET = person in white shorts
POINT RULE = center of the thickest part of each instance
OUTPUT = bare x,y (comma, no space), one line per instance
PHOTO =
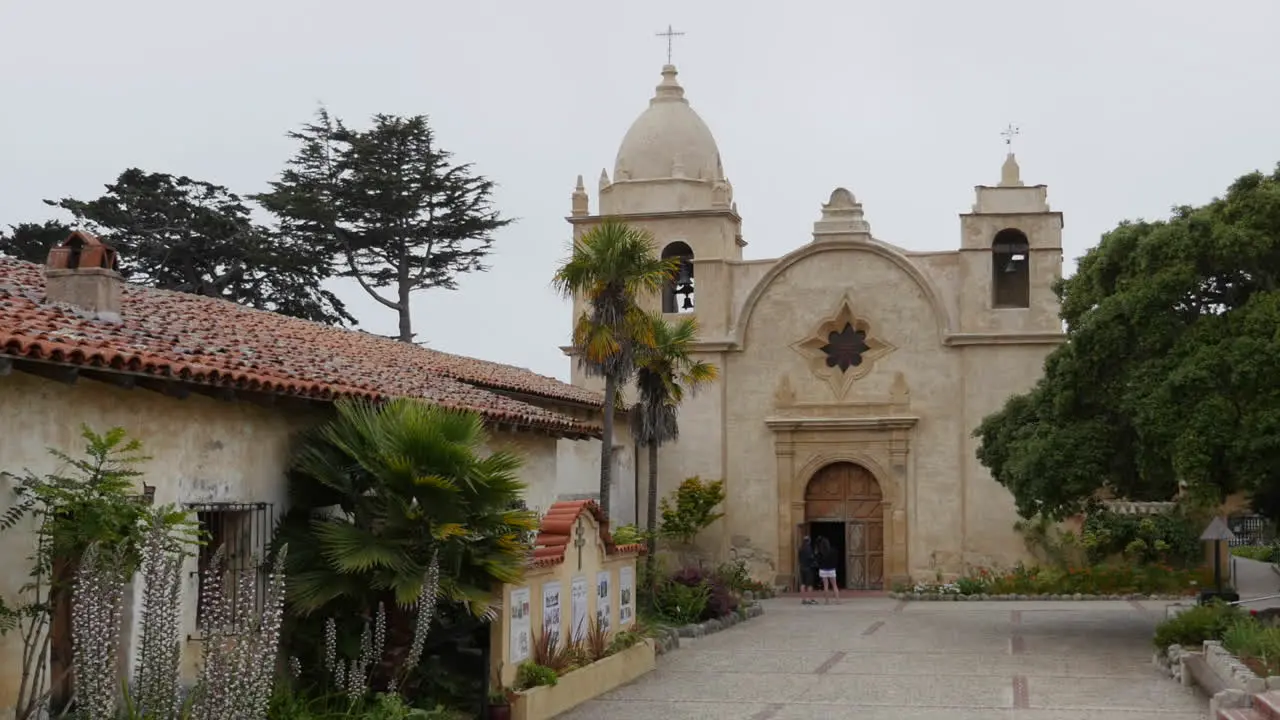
827,570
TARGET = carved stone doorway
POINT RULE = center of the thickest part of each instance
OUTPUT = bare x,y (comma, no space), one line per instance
847,495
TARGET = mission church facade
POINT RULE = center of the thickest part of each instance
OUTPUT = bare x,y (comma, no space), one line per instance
852,371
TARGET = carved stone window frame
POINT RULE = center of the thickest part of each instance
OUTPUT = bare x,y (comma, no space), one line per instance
811,349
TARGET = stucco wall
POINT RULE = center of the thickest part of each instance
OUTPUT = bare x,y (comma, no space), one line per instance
898,312
202,450
578,474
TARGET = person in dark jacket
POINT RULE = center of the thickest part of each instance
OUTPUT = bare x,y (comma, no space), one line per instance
827,570
808,572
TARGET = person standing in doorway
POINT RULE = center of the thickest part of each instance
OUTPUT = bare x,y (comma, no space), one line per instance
827,570
808,572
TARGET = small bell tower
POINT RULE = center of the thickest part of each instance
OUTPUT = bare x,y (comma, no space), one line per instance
669,180
1011,254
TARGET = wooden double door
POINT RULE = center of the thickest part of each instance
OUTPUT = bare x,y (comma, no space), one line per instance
844,503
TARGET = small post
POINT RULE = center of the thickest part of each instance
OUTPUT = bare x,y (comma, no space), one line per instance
1217,532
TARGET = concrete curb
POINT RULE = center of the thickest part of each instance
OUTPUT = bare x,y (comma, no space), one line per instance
668,638
957,597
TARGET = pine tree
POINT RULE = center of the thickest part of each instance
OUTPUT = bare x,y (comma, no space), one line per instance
389,203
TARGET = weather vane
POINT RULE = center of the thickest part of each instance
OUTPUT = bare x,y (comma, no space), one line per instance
669,35
1010,132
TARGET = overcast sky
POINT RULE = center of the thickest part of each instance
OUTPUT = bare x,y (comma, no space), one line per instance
1126,109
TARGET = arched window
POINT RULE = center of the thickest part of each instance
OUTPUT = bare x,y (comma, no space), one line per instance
1010,270
677,296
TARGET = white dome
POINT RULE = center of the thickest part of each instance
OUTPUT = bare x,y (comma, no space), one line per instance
668,139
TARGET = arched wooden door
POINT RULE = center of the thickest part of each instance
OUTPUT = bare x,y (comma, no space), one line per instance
849,494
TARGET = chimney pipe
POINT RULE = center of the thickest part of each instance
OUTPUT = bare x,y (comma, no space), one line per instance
82,271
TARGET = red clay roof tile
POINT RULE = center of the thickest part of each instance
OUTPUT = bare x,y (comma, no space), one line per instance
557,527
215,342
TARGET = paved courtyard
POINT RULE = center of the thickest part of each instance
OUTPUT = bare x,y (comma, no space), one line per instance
880,659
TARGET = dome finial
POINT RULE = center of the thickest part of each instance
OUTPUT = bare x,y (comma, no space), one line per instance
669,89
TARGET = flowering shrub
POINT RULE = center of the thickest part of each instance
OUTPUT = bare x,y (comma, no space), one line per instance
1110,579
721,599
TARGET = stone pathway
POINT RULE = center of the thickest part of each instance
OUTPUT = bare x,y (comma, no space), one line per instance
880,659
1254,579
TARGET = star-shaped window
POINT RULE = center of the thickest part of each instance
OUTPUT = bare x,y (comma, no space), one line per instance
845,349
842,348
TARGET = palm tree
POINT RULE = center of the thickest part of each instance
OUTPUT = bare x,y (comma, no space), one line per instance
611,266
665,371
381,493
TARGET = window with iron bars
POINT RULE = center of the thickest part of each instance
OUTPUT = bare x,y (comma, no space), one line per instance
243,531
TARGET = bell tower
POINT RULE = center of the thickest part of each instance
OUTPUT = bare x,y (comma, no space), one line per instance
668,179
1010,256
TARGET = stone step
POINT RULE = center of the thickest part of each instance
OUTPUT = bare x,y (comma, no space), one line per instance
1239,714
1267,705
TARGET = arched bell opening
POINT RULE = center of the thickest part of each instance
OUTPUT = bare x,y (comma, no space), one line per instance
677,295
1010,270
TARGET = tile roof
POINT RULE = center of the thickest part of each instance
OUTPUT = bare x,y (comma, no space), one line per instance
557,530
215,342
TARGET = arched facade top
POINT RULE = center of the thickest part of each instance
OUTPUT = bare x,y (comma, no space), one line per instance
931,295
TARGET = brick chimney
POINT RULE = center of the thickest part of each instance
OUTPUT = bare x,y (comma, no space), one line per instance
82,271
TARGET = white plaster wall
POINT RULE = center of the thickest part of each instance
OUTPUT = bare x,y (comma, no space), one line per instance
201,450
991,375
578,474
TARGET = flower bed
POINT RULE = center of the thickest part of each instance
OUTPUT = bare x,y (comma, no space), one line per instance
583,683
1099,582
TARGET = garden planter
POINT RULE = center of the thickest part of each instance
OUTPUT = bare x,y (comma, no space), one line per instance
499,712
583,684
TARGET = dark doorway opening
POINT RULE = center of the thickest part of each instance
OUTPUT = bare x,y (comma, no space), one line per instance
834,533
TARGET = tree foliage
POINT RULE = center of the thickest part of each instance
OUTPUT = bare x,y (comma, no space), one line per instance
176,233
665,370
1168,375
413,482
388,201
610,267
32,241
90,501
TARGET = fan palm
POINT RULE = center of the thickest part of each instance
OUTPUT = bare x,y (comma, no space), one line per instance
665,371
611,266
381,490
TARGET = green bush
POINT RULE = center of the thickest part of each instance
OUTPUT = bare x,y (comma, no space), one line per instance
1171,537
1192,627
531,675
693,509
681,604
1254,643
1265,553
629,535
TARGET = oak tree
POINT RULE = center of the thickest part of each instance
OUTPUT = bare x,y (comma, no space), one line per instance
1169,375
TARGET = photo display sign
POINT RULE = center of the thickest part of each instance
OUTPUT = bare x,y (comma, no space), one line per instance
603,606
521,642
578,598
551,612
626,596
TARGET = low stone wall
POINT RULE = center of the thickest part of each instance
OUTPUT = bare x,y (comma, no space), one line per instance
957,597
668,638
1233,684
